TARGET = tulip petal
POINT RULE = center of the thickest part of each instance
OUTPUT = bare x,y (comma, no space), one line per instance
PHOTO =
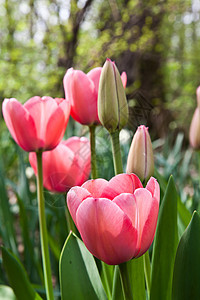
124,79
85,172
74,198
147,209
57,175
122,183
80,91
20,124
153,187
94,75
33,161
64,104
106,230
75,142
57,125
195,129
56,170
127,203
41,110
62,167
82,162
80,147
95,186
49,120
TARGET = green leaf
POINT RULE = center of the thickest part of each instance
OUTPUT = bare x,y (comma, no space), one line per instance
17,277
184,213
187,263
6,218
162,182
6,293
54,247
165,245
33,265
136,273
79,276
23,185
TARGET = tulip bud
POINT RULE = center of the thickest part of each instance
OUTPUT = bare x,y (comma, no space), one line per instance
140,158
112,103
194,134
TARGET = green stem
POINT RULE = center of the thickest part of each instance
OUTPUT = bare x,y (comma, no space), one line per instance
116,152
117,285
93,152
106,278
147,271
126,286
43,230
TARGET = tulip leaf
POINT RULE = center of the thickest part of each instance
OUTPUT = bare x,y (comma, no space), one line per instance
187,263
184,213
162,182
6,218
165,245
33,266
23,185
17,277
79,276
136,274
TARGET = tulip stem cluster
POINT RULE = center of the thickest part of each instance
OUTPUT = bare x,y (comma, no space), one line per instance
116,152
126,286
93,152
43,230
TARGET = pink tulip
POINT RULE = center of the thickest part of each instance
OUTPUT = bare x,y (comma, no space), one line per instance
82,91
117,218
39,124
65,166
140,158
194,134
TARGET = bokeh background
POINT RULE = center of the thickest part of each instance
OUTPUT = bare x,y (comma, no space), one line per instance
156,42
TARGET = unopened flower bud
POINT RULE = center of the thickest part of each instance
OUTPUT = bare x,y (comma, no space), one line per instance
194,134
112,103
140,158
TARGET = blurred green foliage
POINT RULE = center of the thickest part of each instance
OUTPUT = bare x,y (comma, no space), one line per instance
41,39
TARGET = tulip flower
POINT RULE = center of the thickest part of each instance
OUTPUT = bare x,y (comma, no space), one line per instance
194,134
37,125
140,158
117,218
65,166
82,90
112,103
